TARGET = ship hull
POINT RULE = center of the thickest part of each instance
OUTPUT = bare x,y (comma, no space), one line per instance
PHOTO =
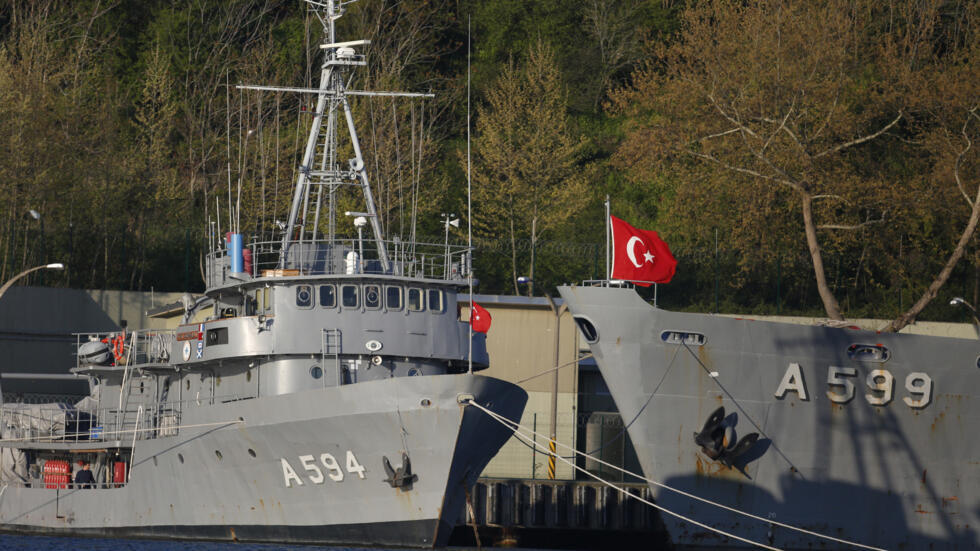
289,469
865,437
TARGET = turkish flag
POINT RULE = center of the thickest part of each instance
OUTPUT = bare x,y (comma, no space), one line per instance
480,318
640,256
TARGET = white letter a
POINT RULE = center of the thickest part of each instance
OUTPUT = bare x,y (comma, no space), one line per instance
289,474
792,380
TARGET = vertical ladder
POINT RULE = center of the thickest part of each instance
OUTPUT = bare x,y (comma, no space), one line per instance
330,348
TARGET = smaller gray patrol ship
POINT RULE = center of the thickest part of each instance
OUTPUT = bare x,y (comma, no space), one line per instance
322,400
861,436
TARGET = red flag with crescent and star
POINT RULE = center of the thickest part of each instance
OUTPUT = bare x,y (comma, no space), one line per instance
479,319
640,256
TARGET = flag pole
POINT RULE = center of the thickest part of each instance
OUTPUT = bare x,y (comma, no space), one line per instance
469,201
608,274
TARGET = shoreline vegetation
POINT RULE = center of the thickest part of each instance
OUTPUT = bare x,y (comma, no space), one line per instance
814,158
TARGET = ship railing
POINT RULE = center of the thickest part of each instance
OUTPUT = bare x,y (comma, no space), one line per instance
606,283
65,423
339,257
129,347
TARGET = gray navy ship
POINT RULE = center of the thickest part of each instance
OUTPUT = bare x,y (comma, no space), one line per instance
863,436
317,393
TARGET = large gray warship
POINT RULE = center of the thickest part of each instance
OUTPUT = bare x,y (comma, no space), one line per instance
323,399
863,436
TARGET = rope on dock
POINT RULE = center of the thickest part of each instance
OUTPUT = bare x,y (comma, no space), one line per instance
516,426
73,436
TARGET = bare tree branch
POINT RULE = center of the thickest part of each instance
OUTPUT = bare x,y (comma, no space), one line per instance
860,140
794,185
959,157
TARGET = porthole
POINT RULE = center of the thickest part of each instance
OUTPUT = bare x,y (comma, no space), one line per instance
683,337
414,371
876,353
372,297
435,301
304,296
316,372
426,402
393,298
328,296
349,296
251,452
217,453
416,300
180,457
588,330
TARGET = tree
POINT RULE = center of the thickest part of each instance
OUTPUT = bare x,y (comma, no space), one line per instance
528,174
945,101
789,111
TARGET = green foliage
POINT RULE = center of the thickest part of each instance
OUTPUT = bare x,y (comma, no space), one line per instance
117,125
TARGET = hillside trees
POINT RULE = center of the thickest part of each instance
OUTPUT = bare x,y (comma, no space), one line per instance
528,174
802,116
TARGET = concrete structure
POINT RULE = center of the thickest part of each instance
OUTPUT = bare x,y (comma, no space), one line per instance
36,337
522,350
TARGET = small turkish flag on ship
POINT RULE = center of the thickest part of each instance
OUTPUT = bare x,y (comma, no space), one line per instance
479,319
640,256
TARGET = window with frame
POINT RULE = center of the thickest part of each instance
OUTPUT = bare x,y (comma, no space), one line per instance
328,296
372,297
416,300
304,296
393,298
435,301
350,296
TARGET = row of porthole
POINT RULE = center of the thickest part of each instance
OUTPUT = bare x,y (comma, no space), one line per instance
350,297
217,453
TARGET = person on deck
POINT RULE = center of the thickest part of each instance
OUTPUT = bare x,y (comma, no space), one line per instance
84,477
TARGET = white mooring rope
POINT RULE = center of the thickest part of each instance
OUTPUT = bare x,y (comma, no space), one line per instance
515,426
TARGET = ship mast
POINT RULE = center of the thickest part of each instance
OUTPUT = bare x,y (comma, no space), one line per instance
320,172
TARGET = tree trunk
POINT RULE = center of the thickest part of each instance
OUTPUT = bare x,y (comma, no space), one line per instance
829,302
513,256
534,242
909,316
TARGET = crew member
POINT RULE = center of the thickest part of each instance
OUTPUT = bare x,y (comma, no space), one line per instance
84,477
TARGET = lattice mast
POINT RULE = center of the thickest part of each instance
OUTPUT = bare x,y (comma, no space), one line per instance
320,170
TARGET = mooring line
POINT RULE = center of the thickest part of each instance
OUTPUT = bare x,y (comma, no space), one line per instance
545,372
507,422
515,426
772,442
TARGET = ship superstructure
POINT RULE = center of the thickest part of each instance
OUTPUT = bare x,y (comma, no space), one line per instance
322,399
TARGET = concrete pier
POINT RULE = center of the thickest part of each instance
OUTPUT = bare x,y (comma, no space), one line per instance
559,514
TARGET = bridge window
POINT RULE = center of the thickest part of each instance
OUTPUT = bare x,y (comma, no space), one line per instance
435,301
328,296
350,296
393,298
304,296
372,297
416,300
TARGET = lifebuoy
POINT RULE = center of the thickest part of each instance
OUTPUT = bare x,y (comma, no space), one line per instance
119,346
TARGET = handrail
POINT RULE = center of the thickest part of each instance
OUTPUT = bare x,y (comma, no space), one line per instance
344,256
52,424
